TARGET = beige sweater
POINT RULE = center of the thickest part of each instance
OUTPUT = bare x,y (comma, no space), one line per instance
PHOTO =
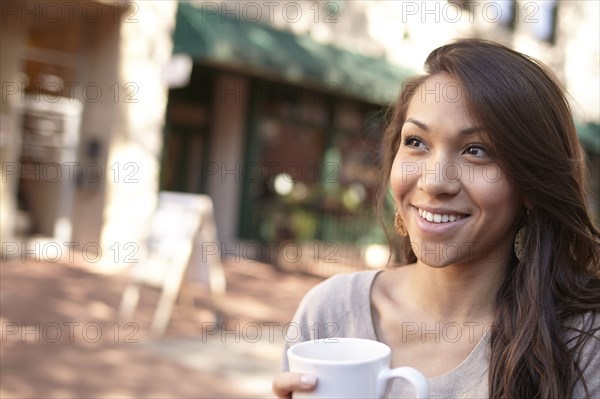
340,307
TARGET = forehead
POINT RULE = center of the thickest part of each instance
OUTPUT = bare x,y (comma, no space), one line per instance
440,99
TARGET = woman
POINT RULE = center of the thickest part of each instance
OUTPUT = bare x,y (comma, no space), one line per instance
501,295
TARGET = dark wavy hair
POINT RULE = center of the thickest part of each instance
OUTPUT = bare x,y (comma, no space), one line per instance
521,104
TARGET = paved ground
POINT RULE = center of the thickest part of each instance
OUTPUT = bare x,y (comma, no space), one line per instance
60,337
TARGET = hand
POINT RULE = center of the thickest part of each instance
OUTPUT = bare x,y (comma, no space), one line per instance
286,383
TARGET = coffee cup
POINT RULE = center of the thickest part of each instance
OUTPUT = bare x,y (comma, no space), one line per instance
350,368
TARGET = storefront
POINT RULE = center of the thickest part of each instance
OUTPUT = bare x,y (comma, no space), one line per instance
283,133
302,159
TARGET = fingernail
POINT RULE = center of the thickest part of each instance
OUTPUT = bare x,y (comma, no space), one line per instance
308,380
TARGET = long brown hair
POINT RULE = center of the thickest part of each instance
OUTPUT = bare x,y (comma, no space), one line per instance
523,107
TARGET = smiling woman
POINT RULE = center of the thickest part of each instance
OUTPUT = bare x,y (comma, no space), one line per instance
500,295
447,202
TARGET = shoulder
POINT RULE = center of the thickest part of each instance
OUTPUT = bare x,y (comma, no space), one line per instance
582,325
583,336
342,300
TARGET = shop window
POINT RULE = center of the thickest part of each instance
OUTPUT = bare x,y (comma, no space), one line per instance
185,146
49,128
318,162
291,134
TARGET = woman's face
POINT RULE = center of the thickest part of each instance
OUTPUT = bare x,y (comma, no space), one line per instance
457,204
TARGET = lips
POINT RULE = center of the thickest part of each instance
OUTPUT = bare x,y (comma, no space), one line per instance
445,217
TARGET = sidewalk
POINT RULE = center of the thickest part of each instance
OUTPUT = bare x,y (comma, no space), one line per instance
60,337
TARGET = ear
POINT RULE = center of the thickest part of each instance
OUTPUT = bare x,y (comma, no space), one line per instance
527,204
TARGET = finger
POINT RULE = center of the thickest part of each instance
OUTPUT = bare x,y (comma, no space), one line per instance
285,383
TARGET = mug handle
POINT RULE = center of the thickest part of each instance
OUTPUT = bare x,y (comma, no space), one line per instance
414,376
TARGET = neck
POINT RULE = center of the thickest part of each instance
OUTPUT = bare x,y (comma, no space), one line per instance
458,292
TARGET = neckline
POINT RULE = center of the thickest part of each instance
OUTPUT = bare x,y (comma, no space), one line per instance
446,385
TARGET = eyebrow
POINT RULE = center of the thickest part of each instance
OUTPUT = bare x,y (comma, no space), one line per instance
462,132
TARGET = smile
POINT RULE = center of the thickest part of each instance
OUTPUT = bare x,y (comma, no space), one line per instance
440,218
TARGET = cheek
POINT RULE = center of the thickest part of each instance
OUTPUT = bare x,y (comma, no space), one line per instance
497,198
401,177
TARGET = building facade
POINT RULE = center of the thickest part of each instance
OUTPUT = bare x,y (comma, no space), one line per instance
273,109
82,114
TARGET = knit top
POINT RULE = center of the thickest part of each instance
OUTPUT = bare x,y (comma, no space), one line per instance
341,307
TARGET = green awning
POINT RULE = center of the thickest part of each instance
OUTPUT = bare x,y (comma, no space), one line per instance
589,136
259,49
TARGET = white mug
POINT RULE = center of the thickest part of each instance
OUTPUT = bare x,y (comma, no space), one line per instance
350,368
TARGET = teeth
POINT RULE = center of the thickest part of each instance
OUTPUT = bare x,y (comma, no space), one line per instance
438,218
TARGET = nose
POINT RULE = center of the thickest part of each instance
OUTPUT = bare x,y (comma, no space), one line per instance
440,176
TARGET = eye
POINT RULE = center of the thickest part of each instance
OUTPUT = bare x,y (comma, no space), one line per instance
476,150
414,142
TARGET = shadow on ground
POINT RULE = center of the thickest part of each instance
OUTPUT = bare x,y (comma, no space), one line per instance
60,335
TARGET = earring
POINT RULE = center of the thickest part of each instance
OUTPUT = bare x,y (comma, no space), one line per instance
520,239
520,243
399,224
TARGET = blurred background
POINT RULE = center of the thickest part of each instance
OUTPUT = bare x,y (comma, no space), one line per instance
176,175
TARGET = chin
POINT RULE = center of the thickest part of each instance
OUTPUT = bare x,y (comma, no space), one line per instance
437,254
436,261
